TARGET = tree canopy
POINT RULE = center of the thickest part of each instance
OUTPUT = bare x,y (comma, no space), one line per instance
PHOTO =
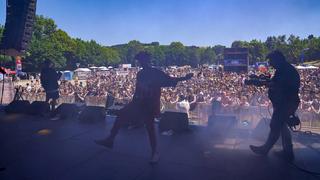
50,42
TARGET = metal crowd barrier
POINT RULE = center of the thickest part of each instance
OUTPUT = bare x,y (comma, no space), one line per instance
200,114
95,101
8,92
202,111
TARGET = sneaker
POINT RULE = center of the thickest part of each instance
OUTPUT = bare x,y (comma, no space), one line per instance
55,118
132,127
167,133
287,156
105,142
260,150
155,158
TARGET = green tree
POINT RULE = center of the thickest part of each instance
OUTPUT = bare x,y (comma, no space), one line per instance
295,49
1,31
158,55
175,54
240,44
219,49
193,54
312,52
208,56
43,27
49,42
44,45
5,60
134,47
257,51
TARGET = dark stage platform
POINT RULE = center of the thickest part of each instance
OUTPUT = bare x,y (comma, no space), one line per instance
39,149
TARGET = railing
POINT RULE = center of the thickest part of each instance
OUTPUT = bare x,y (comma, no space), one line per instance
89,100
200,114
8,92
250,114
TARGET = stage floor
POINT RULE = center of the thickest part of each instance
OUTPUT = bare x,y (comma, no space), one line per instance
39,149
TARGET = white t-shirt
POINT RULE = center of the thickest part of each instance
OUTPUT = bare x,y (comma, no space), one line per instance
29,88
183,106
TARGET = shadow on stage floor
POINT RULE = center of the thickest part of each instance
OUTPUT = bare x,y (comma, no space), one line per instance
37,148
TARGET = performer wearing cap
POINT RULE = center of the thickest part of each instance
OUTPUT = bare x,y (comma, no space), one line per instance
145,104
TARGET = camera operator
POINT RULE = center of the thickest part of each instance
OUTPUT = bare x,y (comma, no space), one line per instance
283,93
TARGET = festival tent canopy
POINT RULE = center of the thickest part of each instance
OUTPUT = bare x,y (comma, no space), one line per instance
312,67
300,67
103,68
67,75
82,70
315,63
306,67
8,71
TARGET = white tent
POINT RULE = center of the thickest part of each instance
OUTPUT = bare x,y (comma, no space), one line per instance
300,67
82,70
312,67
103,69
82,73
306,67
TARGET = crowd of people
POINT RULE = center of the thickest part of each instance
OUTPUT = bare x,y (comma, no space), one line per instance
207,86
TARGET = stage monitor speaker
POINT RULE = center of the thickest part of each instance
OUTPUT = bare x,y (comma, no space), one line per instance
175,121
39,108
92,114
18,28
67,111
17,107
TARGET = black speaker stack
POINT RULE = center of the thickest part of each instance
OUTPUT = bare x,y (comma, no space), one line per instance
36,108
92,114
18,29
176,121
17,107
67,111
39,108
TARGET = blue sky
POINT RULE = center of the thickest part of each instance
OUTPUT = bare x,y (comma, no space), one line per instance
192,22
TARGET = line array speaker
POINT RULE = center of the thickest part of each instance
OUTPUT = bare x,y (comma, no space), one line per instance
17,33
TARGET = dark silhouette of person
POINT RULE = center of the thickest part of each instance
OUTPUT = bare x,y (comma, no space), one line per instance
49,81
283,93
145,104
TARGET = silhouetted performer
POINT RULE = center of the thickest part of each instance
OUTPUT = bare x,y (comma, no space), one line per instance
49,81
145,104
283,93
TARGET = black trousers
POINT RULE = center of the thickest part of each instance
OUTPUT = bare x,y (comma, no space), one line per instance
278,126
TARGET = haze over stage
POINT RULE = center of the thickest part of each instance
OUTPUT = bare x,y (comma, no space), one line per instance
35,148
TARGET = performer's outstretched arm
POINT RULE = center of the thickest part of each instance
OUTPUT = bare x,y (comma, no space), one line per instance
168,81
187,77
